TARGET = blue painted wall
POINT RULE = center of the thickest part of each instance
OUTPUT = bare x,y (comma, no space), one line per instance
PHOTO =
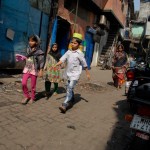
24,20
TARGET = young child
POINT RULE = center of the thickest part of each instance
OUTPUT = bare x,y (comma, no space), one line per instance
52,73
33,68
74,59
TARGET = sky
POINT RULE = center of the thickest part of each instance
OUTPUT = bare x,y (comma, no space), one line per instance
137,4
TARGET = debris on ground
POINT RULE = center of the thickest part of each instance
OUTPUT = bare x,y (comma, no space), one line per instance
95,87
71,127
10,87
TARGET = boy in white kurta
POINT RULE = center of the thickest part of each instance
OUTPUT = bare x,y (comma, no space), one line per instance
75,60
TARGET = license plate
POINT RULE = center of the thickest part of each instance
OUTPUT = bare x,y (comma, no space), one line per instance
142,136
128,83
141,124
120,71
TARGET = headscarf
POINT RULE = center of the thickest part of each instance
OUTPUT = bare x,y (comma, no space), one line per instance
120,58
56,55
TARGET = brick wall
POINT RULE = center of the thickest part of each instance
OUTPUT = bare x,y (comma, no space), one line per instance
70,17
115,6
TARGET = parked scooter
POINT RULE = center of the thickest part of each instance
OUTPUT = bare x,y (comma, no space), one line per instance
118,76
135,69
139,101
140,129
129,78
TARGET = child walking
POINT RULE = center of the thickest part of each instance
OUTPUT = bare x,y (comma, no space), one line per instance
52,73
33,68
75,60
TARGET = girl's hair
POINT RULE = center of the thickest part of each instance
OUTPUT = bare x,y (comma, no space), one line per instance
120,46
77,40
35,38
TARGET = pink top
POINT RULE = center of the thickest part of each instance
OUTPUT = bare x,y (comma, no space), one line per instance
29,67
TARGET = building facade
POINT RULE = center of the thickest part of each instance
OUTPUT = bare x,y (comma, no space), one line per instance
114,12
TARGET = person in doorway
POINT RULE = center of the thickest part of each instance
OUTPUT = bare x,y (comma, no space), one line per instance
119,66
75,60
52,72
33,68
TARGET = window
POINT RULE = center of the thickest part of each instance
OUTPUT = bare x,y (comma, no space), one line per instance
82,11
43,5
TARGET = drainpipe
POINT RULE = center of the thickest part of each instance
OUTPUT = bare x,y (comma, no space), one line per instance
51,17
41,18
76,15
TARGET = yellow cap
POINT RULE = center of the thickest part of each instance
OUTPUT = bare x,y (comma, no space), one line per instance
77,35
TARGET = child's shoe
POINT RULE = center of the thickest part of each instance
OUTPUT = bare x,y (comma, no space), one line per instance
31,101
25,101
63,109
55,93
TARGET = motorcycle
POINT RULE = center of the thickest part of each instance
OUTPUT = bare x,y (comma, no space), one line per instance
134,70
138,98
140,129
129,78
118,76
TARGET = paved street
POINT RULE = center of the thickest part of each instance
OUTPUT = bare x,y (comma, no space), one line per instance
96,122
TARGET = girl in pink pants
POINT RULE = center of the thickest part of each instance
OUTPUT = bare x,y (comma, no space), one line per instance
25,78
33,68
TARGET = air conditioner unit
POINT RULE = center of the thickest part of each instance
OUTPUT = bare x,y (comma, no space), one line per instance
103,20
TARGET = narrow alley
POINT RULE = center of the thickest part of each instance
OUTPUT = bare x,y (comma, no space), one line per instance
96,122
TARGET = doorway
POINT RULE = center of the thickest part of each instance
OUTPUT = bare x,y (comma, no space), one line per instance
89,48
62,37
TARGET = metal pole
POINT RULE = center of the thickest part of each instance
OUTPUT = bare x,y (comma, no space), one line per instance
75,21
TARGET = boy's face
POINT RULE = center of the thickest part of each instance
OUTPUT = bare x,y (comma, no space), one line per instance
32,43
74,44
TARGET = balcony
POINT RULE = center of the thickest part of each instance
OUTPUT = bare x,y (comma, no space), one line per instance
100,3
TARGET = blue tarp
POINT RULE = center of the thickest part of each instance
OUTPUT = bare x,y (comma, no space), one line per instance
89,48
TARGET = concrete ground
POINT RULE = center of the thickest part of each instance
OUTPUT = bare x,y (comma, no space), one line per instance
96,122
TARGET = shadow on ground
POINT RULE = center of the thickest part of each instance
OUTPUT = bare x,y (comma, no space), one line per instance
41,94
77,98
8,73
119,137
110,83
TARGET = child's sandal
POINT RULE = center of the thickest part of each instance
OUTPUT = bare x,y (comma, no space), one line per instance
55,93
25,101
62,109
31,101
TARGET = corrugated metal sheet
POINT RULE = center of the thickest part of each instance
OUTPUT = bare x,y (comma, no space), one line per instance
24,20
